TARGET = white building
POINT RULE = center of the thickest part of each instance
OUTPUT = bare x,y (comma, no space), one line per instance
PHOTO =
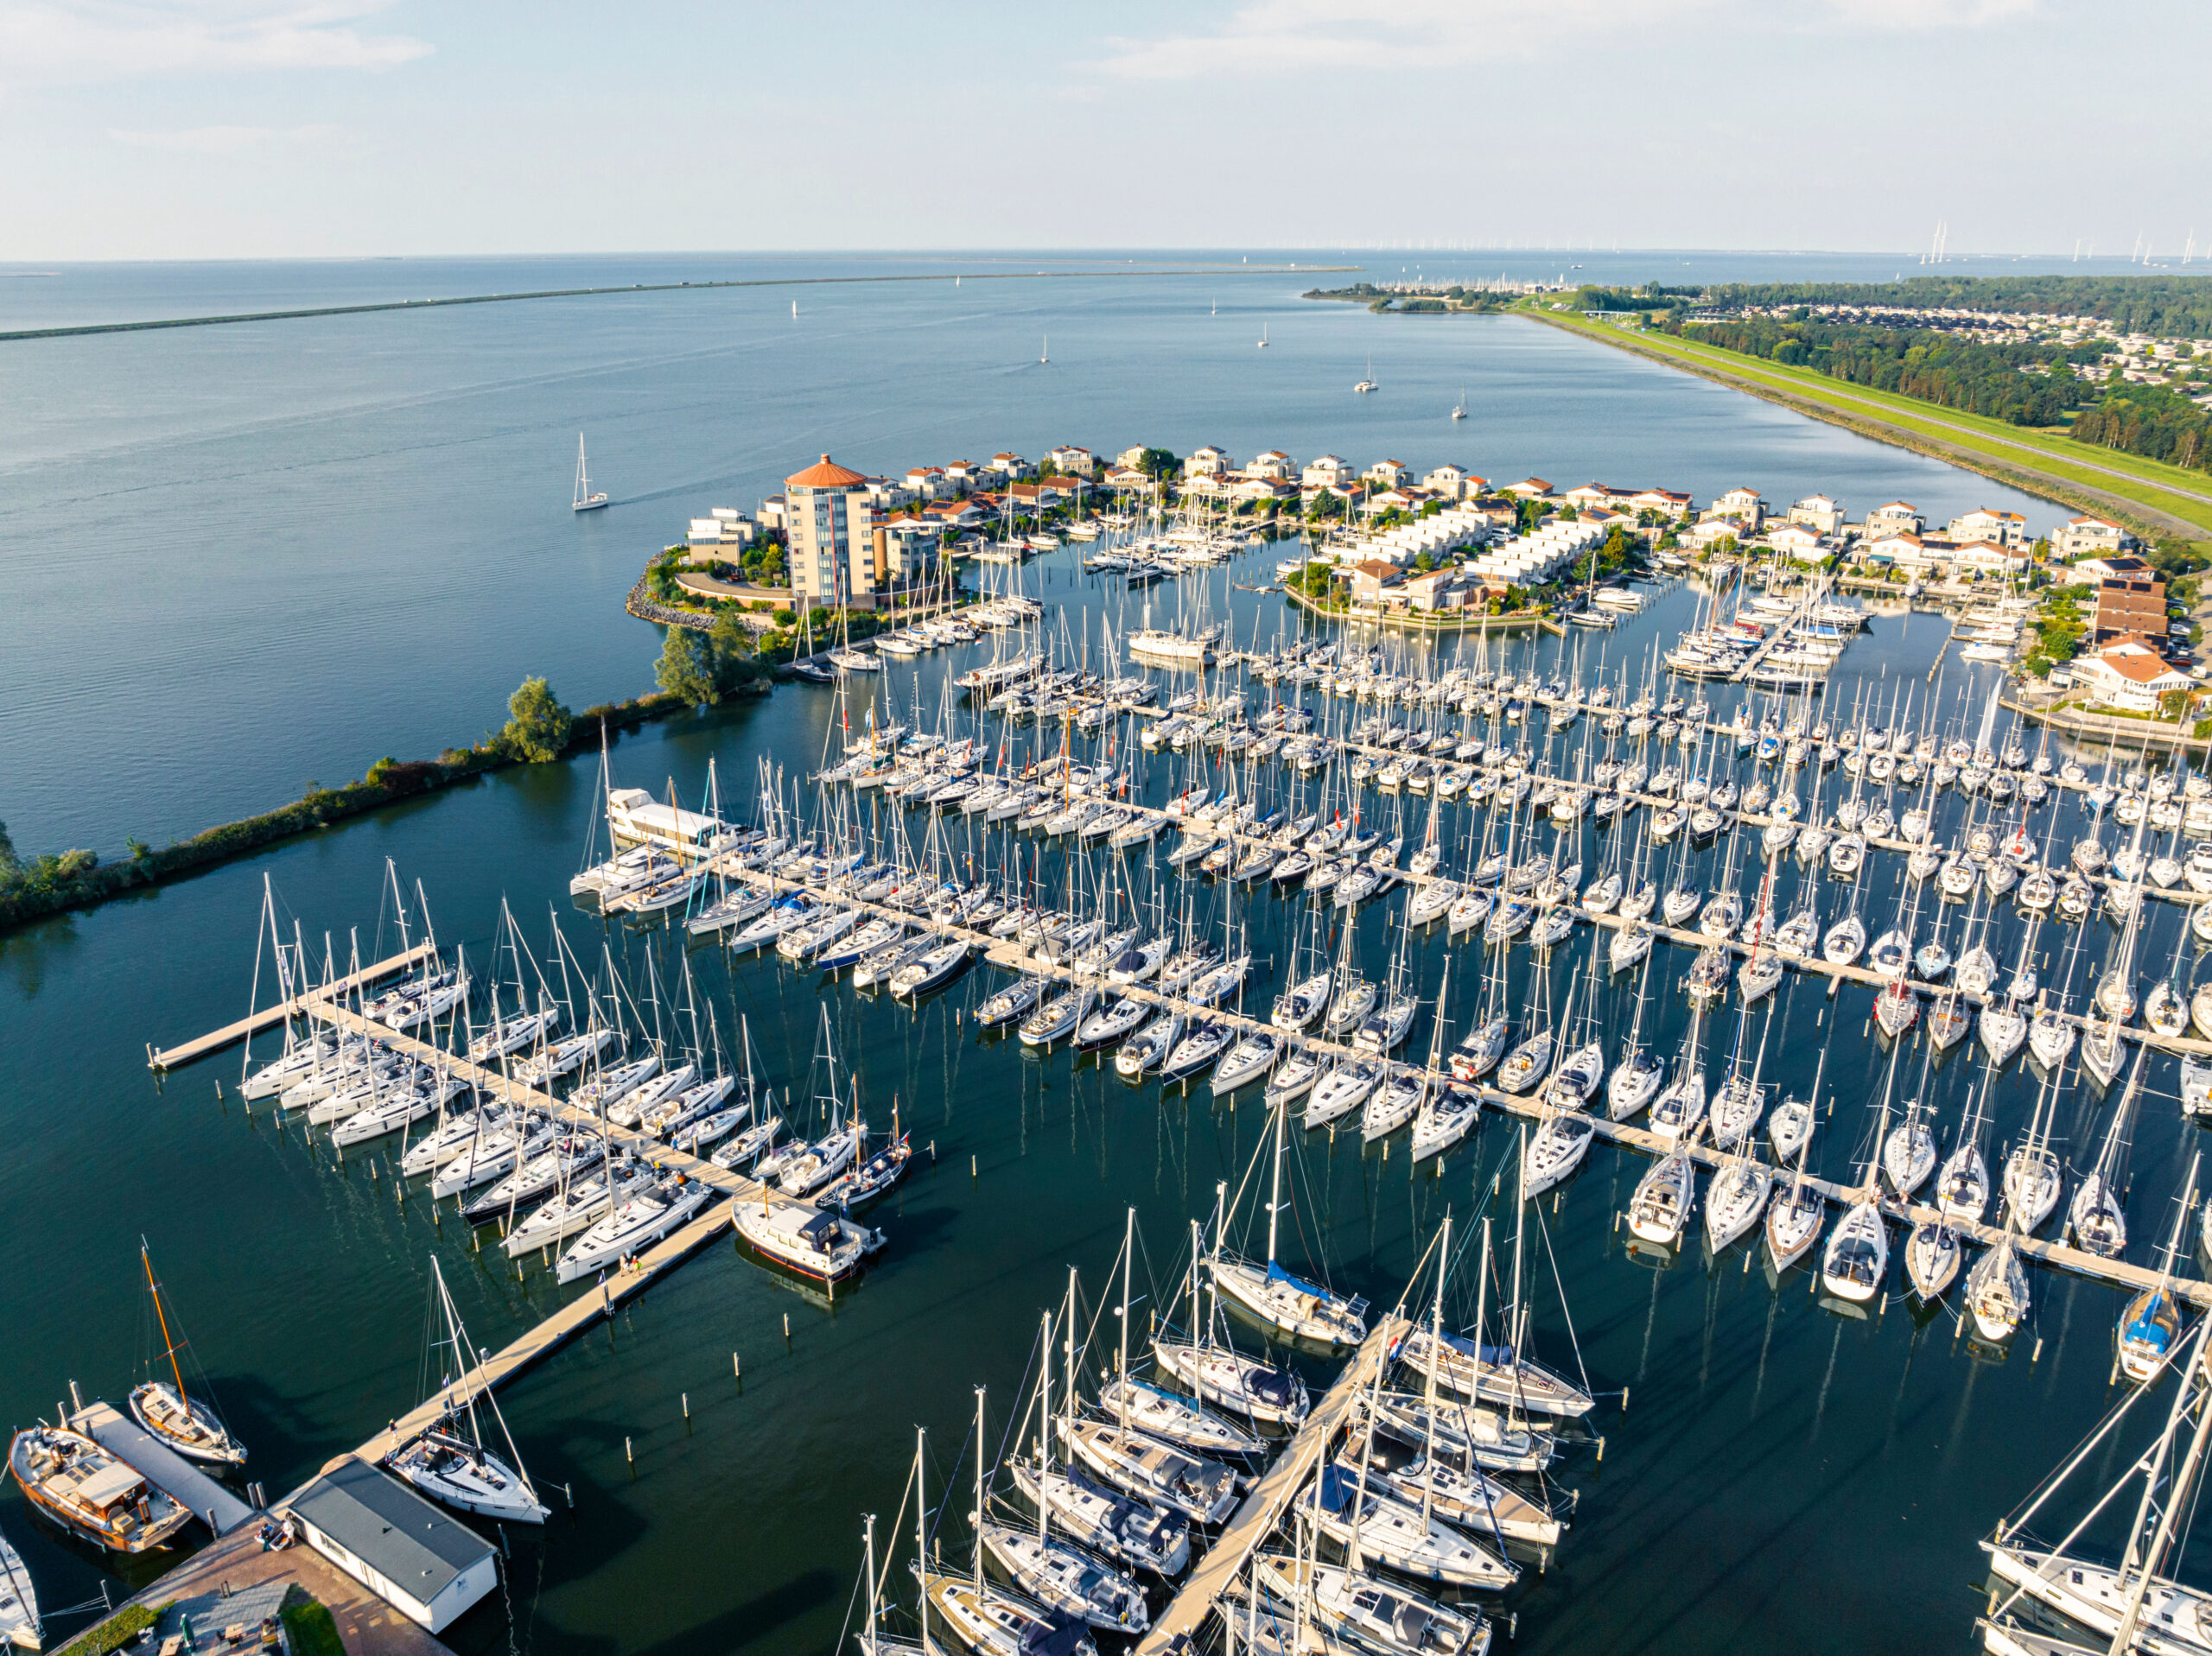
1818,512
830,529
1329,472
2090,537
409,1553
2004,528
2129,675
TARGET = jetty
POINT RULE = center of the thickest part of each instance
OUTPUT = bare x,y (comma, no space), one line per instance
161,1466
175,1057
1271,1495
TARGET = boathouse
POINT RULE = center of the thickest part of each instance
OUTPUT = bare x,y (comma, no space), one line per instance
402,1549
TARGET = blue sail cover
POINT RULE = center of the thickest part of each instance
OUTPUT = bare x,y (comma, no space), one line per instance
1276,1273
2154,1328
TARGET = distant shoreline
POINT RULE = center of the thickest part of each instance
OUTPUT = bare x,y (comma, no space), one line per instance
304,311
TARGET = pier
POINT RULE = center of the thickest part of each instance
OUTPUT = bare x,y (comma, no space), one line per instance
1262,1509
161,1466
175,1057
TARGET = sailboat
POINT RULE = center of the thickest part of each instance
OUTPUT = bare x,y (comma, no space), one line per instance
2151,1323
187,1424
586,500
19,1618
1300,1309
446,1460
1212,1369
984,1618
1264,336
1368,384
1046,354
1459,408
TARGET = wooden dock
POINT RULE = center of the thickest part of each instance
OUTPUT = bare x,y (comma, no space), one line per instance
299,1005
162,1466
1262,1509
583,1312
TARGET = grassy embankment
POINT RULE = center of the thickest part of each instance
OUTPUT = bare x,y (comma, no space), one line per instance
2154,498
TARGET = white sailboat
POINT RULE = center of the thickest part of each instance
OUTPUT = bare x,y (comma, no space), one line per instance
1302,1310
446,1460
586,500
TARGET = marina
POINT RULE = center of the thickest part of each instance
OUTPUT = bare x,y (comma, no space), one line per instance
630,1415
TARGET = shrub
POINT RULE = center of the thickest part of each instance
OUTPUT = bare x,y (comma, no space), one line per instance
785,618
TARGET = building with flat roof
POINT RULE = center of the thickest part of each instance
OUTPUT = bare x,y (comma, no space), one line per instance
424,1564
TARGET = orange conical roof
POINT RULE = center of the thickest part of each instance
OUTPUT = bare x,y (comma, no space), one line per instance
828,475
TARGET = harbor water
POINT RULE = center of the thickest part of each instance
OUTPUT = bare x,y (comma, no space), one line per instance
290,567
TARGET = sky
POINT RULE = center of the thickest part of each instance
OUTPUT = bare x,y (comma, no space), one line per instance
221,128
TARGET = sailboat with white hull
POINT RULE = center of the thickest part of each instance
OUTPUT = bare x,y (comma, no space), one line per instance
448,1460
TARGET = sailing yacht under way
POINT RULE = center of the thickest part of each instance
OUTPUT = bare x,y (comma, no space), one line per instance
586,499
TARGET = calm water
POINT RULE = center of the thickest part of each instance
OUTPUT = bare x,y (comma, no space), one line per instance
337,543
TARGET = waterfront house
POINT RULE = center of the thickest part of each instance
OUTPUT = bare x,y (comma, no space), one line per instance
963,475
1595,494
1036,498
1670,503
929,483
1208,461
1893,518
955,514
1794,540
1262,489
1004,464
1821,513
1132,457
1073,460
1743,503
1529,488
1274,465
1371,577
1389,474
2004,528
427,1566
1450,482
1327,472
772,513
1128,477
2087,536
1988,558
1440,589
2130,676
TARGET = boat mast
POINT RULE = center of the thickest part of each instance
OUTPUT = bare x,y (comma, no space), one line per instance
154,1288
1044,1422
1274,1192
922,1534
979,1495
1121,1357
1435,1357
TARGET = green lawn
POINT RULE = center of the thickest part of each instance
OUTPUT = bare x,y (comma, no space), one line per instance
2169,489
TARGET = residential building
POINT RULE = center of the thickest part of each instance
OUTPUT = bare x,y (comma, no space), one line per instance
929,483
1073,460
1529,488
963,475
1440,589
833,555
1894,518
2091,537
913,543
1370,578
2129,675
1128,477
1131,457
1389,474
1987,557
1819,513
1744,503
772,513
1598,494
888,495
1275,464
1670,503
2112,568
1009,466
1208,461
1328,471
2129,604
1795,539
2004,528
1036,498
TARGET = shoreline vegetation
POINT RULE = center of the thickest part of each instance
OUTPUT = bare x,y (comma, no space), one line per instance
539,731
305,313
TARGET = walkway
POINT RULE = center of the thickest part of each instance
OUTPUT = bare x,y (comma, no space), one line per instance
162,1466
1256,1521
253,1024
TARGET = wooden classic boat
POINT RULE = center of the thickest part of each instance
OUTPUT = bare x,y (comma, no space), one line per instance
92,1493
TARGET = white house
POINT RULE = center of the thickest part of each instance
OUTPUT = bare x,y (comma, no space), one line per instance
409,1553
1328,471
2004,528
1274,464
1818,512
1391,474
1740,503
1448,481
1073,459
1902,548
1207,462
1794,540
1894,518
2090,537
2129,675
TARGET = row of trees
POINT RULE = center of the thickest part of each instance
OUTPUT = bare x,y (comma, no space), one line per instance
2149,420
2025,385
2172,307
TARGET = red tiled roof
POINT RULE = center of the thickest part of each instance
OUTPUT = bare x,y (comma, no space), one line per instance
826,475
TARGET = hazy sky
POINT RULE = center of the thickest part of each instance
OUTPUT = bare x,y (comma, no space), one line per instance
238,128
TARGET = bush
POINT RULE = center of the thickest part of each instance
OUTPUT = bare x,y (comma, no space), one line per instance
785,618
686,668
117,1630
309,1626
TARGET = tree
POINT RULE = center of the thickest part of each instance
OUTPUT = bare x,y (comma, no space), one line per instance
2174,703
537,725
686,668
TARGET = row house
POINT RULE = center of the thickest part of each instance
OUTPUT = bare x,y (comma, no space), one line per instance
1009,466
1668,503
930,483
